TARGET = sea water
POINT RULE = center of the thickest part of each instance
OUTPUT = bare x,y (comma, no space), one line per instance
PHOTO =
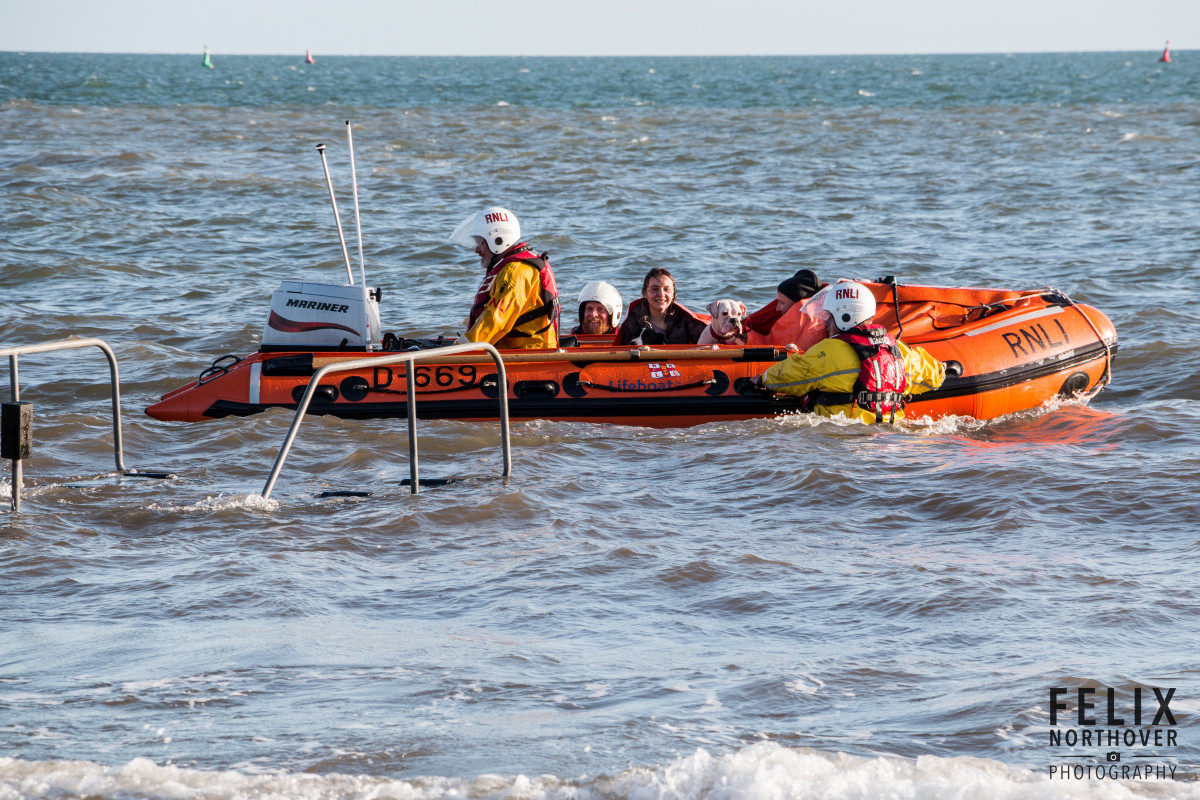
792,607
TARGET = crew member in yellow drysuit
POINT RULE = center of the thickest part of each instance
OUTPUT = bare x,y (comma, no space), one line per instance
827,373
516,305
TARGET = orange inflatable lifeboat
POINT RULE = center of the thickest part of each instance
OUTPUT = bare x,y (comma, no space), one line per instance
1006,351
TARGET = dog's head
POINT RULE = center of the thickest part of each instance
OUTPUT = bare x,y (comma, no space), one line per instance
727,316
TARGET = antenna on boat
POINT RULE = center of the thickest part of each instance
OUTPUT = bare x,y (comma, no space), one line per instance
337,218
362,267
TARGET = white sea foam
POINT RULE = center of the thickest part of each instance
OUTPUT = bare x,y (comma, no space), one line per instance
801,685
252,502
763,770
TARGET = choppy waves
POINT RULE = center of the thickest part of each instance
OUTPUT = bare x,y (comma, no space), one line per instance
634,606
763,770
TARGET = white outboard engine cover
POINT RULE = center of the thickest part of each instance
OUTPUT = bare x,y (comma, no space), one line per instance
322,316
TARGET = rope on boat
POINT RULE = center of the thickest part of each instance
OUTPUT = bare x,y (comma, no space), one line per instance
890,280
896,303
1106,378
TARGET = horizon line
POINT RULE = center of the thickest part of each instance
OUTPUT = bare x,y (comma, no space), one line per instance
575,55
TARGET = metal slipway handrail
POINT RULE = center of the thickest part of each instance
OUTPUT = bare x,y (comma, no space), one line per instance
71,344
410,401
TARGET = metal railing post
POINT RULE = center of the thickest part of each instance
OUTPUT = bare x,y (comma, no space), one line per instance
73,344
18,467
410,401
408,360
114,380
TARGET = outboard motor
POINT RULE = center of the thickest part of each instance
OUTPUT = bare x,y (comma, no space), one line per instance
322,316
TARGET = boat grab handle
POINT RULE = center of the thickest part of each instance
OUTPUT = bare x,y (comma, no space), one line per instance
216,369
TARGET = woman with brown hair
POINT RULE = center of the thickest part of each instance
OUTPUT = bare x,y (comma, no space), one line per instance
655,317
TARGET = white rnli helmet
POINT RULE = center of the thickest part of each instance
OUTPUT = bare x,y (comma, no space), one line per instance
497,226
850,304
606,295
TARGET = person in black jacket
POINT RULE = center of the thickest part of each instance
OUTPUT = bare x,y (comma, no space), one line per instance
655,317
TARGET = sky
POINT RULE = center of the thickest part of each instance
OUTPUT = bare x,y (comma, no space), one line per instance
611,27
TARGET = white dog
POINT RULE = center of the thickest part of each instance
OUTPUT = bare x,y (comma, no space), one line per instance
726,327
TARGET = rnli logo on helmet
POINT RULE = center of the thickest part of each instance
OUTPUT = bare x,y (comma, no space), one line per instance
846,294
495,217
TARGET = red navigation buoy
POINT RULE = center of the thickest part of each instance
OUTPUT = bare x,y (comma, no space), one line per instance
1166,56
308,59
